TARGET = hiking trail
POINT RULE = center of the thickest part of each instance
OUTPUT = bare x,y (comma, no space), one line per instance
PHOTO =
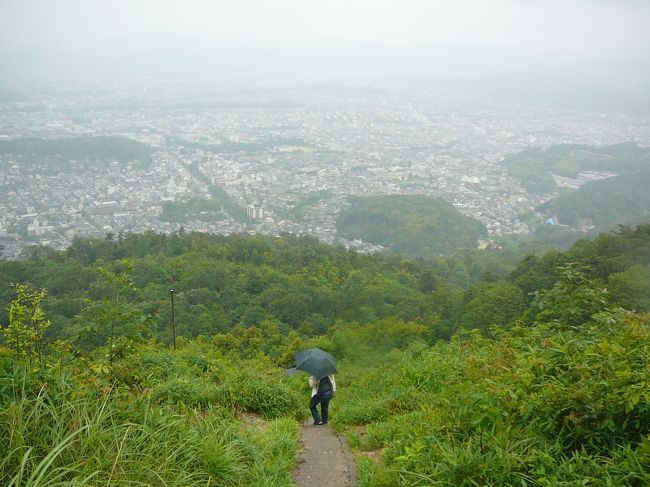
325,459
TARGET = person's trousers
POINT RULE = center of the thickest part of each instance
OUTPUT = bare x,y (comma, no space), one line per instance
324,407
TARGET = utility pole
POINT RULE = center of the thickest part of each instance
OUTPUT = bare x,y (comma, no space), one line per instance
171,292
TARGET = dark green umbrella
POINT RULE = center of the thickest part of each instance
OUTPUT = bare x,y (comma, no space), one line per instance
316,362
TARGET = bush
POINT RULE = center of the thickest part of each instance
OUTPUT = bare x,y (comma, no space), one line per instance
192,393
535,406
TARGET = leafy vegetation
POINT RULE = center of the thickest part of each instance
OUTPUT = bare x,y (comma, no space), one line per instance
533,165
218,207
159,417
410,225
604,203
539,377
80,148
297,283
534,406
306,204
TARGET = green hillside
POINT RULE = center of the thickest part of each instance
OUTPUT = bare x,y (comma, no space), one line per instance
218,207
79,148
537,378
620,199
533,166
410,225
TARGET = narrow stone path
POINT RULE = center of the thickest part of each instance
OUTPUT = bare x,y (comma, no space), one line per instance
325,461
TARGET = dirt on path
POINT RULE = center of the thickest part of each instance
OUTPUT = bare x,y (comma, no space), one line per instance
325,460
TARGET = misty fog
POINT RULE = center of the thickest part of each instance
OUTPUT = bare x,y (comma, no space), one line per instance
295,41
269,117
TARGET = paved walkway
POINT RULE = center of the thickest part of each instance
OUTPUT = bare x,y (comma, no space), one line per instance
325,460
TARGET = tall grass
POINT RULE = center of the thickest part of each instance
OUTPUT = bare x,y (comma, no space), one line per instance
57,433
531,407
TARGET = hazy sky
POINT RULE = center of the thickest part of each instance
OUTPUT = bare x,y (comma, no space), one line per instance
343,36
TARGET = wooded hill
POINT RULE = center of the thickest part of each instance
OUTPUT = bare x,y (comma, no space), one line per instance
302,284
220,206
410,225
79,148
604,203
533,166
536,378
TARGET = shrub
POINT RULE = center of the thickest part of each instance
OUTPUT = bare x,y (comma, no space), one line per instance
192,393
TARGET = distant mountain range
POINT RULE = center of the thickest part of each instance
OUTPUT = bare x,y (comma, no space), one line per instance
591,95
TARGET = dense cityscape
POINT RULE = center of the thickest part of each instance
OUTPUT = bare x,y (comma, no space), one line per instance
289,157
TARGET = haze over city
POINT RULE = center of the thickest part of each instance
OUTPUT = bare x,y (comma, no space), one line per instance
339,39
285,110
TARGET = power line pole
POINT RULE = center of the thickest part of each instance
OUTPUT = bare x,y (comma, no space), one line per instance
171,292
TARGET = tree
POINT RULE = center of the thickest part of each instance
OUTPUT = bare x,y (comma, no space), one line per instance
27,324
112,314
573,300
490,304
631,288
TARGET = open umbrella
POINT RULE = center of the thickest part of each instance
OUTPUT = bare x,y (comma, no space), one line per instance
316,362
291,371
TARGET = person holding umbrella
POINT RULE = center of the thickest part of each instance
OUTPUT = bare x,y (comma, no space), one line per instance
322,391
322,367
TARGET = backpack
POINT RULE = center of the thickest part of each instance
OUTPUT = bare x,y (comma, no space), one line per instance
325,389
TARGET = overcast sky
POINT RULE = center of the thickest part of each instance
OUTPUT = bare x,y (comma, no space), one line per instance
355,37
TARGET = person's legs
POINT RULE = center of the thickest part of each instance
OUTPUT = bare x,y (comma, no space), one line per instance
314,411
324,407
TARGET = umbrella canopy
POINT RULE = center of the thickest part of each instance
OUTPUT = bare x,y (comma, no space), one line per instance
291,371
316,362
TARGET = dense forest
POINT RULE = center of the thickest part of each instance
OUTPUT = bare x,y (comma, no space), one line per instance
410,225
453,371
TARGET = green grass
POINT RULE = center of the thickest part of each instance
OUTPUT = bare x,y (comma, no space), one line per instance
74,430
535,406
